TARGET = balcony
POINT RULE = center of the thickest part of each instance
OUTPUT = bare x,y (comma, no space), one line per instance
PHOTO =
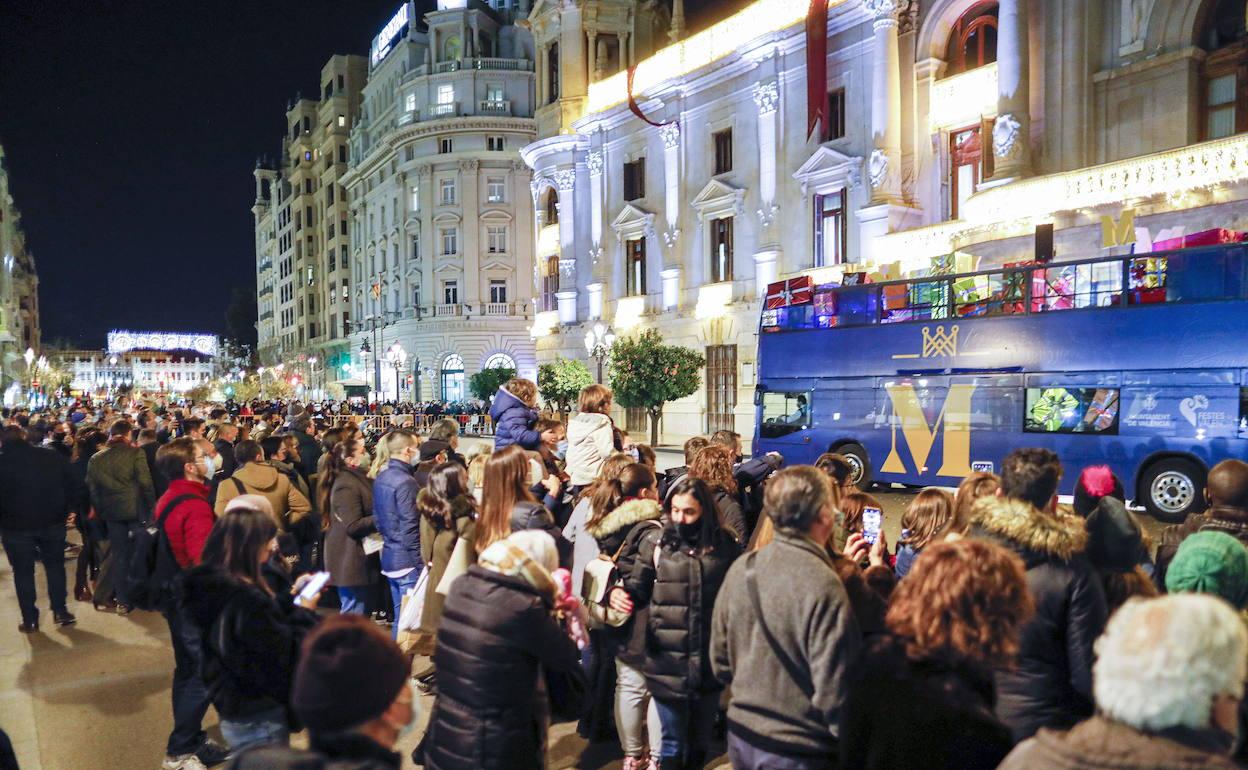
448,310
449,110
506,65
499,308
494,107
267,290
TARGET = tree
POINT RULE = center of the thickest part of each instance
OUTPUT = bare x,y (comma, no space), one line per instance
247,389
485,383
560,382
647,374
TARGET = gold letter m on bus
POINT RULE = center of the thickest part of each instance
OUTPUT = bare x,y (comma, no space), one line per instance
954,420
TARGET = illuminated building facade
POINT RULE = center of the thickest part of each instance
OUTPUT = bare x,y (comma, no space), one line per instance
441,224
19,289
144,362
950,125
301,215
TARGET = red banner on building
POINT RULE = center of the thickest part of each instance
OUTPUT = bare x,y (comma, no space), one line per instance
816,64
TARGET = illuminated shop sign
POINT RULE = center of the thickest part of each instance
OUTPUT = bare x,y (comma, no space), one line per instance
122,341
389,33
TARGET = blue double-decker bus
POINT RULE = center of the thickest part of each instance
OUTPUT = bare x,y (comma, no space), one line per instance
1137,362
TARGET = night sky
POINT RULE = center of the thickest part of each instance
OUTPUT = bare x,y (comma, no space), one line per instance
131,128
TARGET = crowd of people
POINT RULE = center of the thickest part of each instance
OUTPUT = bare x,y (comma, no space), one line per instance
559,575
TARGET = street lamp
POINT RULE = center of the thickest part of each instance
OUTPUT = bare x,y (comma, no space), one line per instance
396,356
312,376
365,350
598,342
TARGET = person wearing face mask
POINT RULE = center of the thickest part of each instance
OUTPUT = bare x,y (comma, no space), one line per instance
396,517
678,579
187,518
249,636
351,690
1167,681
347,518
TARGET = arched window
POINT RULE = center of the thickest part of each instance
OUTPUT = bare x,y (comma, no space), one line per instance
550,207
1225,71
973,39
500,361
452,376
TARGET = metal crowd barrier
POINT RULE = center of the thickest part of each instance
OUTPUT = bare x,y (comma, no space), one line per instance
469,424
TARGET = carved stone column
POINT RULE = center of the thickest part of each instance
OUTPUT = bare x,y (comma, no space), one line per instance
884,163
1011,134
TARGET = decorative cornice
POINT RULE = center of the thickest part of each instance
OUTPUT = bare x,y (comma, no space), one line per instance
766,97
469,165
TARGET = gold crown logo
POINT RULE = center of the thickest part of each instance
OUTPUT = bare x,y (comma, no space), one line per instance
940,343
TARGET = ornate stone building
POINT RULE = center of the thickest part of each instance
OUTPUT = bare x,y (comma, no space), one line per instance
302,263
19,289
440,209
950,125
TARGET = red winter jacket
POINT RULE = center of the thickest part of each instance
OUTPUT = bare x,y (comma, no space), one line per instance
189,523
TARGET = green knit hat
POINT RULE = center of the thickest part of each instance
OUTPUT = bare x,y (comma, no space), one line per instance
1211,563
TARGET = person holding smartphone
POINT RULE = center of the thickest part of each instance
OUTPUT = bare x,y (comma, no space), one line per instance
249,637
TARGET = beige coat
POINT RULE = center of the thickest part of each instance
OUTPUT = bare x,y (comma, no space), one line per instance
289,504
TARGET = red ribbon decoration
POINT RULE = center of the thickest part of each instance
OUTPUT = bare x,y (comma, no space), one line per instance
816,65
632,100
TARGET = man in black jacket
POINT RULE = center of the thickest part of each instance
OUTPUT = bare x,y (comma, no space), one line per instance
1050,684
35,494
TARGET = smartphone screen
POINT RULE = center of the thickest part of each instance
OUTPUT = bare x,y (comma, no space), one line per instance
313,587
872,520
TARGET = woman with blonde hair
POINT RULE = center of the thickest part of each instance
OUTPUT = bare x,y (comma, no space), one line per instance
714,465
926,517
508,504
924,694
591,436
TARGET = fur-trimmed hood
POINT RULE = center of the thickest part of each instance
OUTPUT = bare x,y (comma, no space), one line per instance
623,517
1023,526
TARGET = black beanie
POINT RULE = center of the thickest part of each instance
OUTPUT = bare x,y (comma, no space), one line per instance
1115,540
349,673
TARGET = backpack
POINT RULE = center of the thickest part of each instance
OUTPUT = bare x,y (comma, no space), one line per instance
601,575
152,567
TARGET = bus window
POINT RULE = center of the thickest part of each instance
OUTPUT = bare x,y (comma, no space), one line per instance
784,413
982,295
1072,410
1243,412
1067,287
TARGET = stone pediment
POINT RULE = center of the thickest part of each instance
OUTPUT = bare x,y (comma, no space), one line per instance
828,166
718,197
633,222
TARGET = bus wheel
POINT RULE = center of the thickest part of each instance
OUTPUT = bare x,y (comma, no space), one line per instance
857,457
1171,489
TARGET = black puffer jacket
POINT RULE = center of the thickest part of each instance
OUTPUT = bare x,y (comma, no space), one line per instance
496,631
529,515
1051,686
347,751
680,593
624,530
250,641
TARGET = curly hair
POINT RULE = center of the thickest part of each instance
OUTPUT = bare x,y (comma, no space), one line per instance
713,464
964,601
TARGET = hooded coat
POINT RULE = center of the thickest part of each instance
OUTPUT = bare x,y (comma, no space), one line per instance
250,641
1051,684
513,422
623,531
289,504
497,633
591,440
